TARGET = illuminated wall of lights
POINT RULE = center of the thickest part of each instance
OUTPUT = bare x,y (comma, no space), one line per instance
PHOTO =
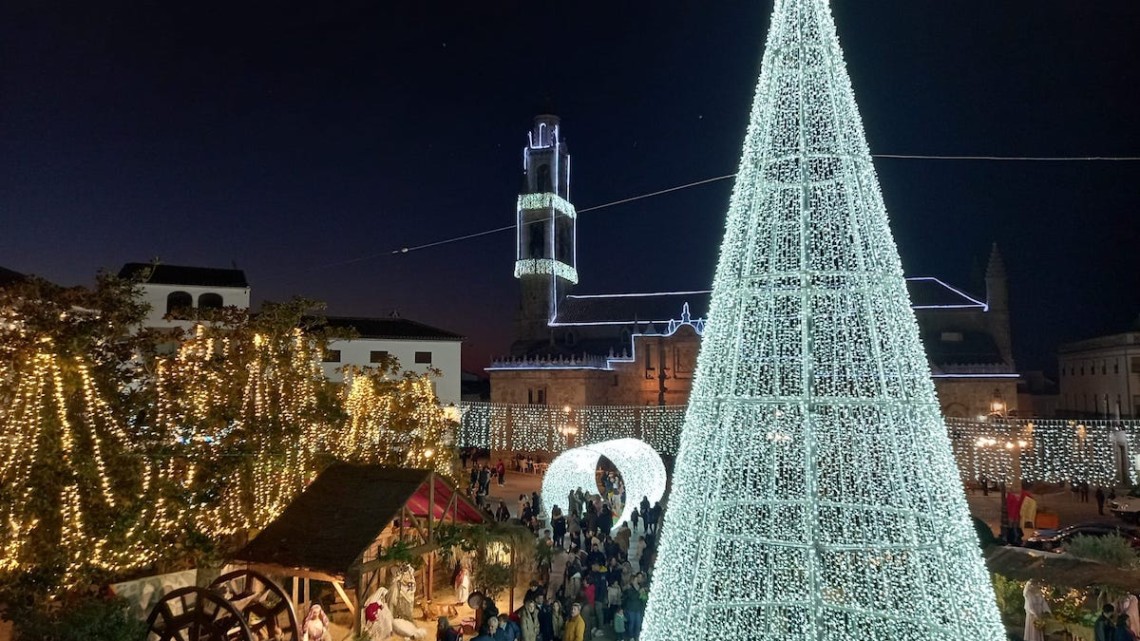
546,266
640,467
815,494
1051,450
548,428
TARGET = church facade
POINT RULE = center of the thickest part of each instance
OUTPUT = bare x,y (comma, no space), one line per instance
575,349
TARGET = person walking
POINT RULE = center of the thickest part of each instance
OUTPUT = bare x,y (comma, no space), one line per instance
619,624
575,628
634,608
557,620
501,472
1105,627
444,631
528,622
1099,500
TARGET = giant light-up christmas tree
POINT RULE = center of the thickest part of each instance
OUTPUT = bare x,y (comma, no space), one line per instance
815,495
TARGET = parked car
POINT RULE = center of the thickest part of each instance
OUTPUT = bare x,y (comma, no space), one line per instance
1126,509
1056,540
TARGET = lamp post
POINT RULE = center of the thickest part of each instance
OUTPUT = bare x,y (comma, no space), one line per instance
1014,443
568,430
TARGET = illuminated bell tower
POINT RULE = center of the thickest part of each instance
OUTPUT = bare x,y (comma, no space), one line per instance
545,255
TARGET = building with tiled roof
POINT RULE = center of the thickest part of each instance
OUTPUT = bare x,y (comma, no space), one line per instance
573,348
180,294
418,347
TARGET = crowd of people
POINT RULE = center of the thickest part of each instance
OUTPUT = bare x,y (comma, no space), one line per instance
594,579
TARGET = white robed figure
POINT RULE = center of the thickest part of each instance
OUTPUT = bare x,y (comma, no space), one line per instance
1129,605
1036,608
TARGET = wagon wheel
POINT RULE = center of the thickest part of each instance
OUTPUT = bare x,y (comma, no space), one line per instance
264,604
196,614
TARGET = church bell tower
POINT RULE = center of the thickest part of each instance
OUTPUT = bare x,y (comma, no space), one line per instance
545,255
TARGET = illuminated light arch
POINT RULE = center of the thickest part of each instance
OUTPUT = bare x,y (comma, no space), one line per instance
640,467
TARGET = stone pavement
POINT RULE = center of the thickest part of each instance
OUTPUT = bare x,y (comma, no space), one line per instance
1063,503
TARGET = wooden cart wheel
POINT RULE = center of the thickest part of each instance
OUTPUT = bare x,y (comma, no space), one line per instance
196,614
264,604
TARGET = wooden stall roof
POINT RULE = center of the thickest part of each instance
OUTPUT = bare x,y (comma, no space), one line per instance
338,517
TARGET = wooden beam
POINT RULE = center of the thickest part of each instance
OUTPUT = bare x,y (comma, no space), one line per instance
376,564
270,569
431,504
339,587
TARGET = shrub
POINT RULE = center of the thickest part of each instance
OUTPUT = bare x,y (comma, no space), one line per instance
90,619
1112,550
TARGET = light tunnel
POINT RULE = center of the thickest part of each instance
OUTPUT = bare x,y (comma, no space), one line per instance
639,465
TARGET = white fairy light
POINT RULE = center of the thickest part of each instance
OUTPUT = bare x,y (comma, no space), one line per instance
640,468
546,266
547,201
815,495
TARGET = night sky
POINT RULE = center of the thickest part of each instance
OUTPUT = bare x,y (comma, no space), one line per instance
305,142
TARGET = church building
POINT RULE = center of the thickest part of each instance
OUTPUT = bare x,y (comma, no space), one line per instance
579,349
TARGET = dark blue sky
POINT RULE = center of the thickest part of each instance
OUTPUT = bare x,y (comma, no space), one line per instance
287,137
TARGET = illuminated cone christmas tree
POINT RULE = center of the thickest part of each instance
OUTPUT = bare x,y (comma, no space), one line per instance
815,495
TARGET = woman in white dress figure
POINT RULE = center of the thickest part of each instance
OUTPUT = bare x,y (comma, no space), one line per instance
1128,606
1035,610
462,584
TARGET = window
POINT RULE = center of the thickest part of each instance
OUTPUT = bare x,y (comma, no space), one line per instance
332,356
424,358
570,338
179,304
210,301
1103,368
1116,367
951,337
536,396
378,356
1136,364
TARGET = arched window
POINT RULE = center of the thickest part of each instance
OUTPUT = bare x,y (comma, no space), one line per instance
179,305
544,185
210,301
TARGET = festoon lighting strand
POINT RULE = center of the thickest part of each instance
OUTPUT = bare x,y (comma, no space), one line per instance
640,467
815,495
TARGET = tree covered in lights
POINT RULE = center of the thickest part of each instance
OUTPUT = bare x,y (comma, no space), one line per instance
242,411
72,483
393,419
815,494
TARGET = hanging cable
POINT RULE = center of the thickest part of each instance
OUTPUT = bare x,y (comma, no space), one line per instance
456,239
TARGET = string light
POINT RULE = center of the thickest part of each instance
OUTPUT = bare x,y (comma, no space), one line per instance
546,266
815,494
544,428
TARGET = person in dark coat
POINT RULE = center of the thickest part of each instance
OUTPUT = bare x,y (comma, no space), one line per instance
545,618
444,631
1099,500
558,524
1105,627
606,520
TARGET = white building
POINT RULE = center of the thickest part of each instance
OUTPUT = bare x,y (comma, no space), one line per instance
181,293
178,294
416,346
1100,377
